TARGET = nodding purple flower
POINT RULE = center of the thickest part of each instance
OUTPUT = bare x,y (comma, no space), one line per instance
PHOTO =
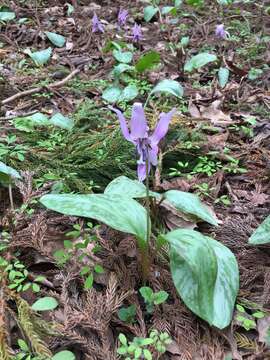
221,32
96,24
122,17
147,146
137,33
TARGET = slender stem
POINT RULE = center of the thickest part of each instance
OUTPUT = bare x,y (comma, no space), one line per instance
10,197
147,200
147,100
145,249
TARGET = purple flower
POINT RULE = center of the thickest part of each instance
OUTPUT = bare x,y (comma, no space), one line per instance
221,32
96,24
147,146
122,17
137,33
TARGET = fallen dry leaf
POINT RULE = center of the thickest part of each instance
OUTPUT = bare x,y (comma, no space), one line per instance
211,112
174,218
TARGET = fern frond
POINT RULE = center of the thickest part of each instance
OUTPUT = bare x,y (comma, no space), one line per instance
26,322
244,342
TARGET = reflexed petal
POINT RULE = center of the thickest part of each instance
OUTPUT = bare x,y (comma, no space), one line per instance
153,156
123,123
162,127
138,125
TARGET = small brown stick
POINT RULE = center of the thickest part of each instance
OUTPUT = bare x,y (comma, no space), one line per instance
56,84
11,117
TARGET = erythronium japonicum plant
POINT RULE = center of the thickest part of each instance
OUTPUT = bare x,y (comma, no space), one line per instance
204,271
147,149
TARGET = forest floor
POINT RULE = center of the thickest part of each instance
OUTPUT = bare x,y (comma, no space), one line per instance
218,147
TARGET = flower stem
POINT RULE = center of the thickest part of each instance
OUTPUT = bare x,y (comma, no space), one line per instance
145,251
10,197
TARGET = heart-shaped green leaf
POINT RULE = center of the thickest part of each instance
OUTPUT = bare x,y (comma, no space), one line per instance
123,57
149,12
112,94
40,57
121,68
190,204
198,61
129,93
44,304
262,234
171,87
120,213
205,274
147,61
57,39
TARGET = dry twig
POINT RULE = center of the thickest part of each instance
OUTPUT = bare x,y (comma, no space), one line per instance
36,90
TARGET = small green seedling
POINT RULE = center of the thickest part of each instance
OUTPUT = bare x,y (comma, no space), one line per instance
248,321
79,250
143,348
127,314
18,276
152,298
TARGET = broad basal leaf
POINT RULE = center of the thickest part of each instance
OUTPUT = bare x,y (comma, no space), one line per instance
7,173
29,123
129,93
149,12
6,14
205,274
38,119
223,76
124,186
44,304
123,56
147,61
121,68
62,121
190,204
168,9
40,57
198,61
120,213
262,234
169,86
57,39
112,94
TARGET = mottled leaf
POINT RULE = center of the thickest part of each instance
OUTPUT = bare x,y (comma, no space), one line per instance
120,213
262,234
205,274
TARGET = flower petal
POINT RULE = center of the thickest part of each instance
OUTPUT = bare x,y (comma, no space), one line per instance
152,153
141,172
161,128
123,123
138,124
